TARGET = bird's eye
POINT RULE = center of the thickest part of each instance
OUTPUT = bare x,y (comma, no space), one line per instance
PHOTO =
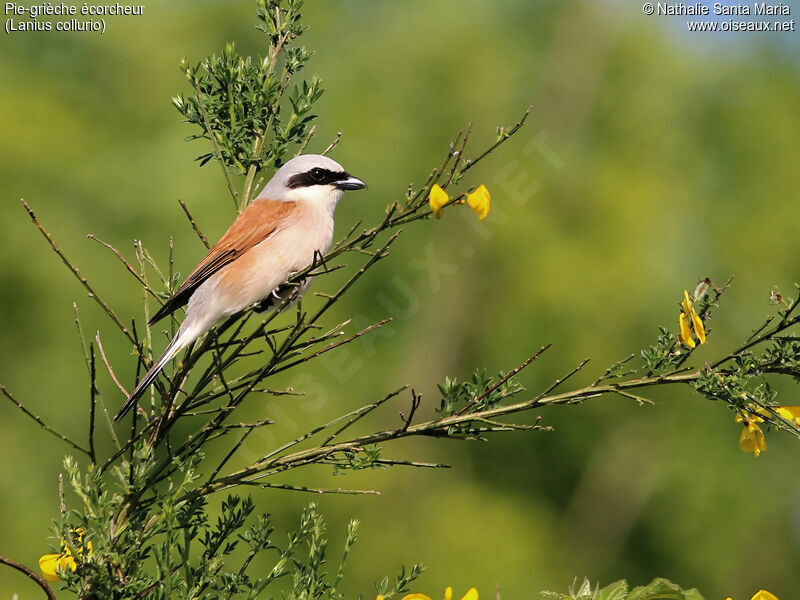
317,174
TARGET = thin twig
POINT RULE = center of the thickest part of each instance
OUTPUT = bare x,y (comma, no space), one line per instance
92,404
611,372
416,400
230,453
500,140
508,376
76,273
311,490
281,463
213,138
81,337
35,577
561,380
189,216
760,329
128,266
500,426
304,145
158,583
108,365
347,340
41,423
640,400
333,144
62,504
458,156
411,463
360,413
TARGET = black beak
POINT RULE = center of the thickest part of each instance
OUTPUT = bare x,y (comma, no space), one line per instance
350,183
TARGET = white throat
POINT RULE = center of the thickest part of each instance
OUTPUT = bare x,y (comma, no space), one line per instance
321,198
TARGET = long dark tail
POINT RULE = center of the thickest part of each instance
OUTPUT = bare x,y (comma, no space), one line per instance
174,347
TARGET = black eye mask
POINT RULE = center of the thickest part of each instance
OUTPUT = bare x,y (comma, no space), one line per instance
316,176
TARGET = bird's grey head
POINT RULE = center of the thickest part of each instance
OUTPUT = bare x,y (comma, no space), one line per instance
311,176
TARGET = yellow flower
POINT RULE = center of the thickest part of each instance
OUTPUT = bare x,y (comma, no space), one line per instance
763,595
472,594
699,330
752,438
50,564
789,413
740,418
686,333
437,199
690,314
480,201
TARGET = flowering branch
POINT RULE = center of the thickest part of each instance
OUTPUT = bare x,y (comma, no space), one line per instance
466,422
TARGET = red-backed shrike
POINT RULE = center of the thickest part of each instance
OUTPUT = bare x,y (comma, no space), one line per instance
278,234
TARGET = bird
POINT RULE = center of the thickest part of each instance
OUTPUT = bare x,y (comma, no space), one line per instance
281,232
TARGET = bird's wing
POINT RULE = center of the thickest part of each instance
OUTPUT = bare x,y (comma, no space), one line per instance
256,223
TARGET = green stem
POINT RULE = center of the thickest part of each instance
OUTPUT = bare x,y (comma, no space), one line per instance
434,427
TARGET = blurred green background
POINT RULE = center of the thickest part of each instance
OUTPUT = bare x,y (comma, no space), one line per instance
652,158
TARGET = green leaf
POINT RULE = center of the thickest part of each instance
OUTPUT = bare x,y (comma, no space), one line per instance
663,589
615,591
